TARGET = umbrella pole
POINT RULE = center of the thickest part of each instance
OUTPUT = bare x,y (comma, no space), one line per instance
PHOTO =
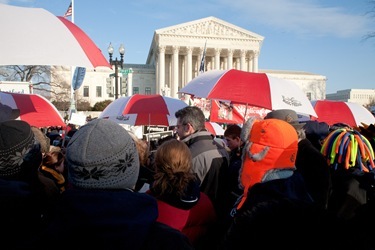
149,125
244,117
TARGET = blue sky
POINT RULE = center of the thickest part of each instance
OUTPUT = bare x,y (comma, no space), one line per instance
319,36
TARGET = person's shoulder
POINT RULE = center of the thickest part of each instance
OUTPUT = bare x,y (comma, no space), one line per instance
307,149
204,209
165,237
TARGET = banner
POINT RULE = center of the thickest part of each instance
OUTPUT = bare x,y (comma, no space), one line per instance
226,112
78,77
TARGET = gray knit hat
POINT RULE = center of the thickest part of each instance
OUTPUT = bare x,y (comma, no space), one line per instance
102,155
287,115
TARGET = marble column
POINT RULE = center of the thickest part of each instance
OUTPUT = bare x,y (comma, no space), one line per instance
230,59
189,64
250,64
157,74
161,69
174,85
255,66
242,60
217,58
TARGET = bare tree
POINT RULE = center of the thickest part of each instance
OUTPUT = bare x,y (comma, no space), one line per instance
370,105
370,13
25,73
47,81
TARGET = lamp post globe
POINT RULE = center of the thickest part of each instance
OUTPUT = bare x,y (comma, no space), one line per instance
116,63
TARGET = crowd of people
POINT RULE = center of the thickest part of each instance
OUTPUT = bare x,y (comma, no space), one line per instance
277,183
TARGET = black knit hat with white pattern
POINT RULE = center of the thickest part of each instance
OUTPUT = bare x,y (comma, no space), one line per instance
16,140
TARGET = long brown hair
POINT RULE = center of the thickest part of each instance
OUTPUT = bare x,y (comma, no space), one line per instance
173,171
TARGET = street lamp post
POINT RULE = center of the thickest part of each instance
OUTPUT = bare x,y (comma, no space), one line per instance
116,63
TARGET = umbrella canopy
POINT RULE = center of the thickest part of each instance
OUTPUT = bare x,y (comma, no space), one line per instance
352,114
144,110
34,36
214,128
33,109
252,89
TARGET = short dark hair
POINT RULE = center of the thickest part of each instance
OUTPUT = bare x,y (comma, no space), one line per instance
233,131
192,115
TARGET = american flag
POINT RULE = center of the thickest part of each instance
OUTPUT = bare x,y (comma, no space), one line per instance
201,68
69,11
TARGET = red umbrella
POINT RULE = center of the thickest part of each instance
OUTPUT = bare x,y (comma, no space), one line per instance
352,114
34,109
144,110
252,89
214,128
37,37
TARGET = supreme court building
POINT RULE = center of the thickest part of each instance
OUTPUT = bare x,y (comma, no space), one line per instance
175,57
177,51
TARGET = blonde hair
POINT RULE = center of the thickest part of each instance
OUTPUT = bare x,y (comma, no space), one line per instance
173,172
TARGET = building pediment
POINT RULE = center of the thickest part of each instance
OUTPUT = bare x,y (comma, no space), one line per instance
209,27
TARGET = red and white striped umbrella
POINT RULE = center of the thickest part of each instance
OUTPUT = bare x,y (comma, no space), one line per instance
140,109
352,114
214,128
33,109
253,89
34,36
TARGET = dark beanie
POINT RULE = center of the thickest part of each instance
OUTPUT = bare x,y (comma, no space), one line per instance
16,140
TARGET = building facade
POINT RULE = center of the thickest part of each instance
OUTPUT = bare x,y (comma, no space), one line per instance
175,57
360,96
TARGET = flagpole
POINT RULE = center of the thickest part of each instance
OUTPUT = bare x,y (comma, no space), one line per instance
72,1
73,108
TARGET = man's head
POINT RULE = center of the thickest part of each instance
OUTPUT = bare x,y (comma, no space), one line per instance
189,120
8,113
291,117
42,138
20,153
233,136
269,153
287,115
102,155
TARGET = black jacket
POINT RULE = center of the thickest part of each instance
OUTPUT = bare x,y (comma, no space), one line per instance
277,214
108,219
312,165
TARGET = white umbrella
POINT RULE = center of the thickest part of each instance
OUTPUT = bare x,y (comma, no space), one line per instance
34,36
